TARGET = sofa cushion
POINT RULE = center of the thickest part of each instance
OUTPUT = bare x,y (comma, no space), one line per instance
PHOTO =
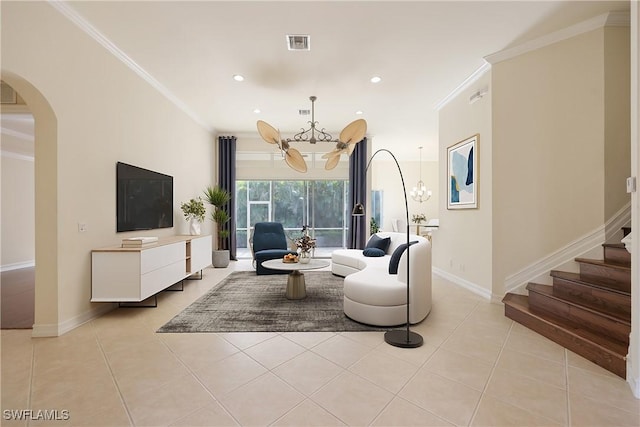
370,287
373,252
379,242
350,257
395,257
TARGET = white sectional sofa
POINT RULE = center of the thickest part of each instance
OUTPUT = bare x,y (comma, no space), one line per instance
375,297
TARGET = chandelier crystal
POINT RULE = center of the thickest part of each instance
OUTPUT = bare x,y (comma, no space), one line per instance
419,193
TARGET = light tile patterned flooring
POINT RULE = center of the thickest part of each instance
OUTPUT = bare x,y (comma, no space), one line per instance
476,368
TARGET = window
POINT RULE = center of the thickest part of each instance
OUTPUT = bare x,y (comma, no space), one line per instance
320,204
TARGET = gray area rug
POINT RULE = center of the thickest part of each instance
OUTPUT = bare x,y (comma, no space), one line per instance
244,302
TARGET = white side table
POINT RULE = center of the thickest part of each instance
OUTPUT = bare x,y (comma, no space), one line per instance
296,288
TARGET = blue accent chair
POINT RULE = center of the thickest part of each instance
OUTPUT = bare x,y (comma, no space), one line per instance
269,242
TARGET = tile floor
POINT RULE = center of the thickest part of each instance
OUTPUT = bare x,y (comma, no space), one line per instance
476,368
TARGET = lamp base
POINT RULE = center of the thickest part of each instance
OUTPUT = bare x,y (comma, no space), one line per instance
403,338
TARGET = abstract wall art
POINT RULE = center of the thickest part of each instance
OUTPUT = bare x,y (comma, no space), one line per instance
462,171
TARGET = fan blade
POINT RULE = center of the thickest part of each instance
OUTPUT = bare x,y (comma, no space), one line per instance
350,149
332,163
354,132
334,152
268,132
295,160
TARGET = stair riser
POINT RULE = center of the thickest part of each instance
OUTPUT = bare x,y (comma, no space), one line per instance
608,361
608,301
610,277
606,326
617,255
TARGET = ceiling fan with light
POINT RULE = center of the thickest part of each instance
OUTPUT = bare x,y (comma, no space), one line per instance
345,144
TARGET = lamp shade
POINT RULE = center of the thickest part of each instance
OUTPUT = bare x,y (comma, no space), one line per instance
358,210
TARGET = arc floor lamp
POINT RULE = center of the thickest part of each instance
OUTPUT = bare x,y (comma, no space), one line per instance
398,338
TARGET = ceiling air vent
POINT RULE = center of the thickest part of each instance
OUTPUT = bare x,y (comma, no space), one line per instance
304,112
298,42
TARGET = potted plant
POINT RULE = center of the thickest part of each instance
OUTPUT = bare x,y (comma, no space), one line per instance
418,218
218,198
194,212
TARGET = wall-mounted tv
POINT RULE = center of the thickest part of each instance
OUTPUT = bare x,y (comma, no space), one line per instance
144,198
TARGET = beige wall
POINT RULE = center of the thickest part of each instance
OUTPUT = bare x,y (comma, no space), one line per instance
104,113
462,247
18,210
552,165
616,118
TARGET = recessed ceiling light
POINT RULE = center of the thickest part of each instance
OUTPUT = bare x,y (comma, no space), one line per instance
376,79
359,112
257,111
238,78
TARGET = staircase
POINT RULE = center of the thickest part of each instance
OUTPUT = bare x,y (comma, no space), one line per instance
588,312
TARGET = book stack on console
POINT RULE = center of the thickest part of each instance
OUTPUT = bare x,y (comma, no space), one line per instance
138,242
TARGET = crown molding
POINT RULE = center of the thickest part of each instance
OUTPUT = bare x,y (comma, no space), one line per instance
464,85
73,16
610,19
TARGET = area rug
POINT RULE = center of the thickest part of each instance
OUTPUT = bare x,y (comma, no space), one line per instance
245,302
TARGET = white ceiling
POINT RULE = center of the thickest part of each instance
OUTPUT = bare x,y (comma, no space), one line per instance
422,50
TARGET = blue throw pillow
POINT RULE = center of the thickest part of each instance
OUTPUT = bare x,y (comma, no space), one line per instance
395,257
373,252
379,242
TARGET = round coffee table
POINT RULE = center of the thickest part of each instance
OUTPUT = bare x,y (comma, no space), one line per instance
296,288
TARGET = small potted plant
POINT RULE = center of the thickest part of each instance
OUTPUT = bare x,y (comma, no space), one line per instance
218,198
194,212
418,218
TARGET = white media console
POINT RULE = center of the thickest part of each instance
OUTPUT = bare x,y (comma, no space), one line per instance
134,274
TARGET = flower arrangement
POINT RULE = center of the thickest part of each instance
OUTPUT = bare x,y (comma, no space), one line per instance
305,243
418,218
194,209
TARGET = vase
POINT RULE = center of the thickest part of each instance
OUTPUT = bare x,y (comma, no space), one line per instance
304,257
194,227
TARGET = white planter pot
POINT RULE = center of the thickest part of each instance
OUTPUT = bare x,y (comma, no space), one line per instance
194,227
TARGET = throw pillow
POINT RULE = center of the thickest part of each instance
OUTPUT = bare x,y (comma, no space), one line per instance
378,242
373,252
395,257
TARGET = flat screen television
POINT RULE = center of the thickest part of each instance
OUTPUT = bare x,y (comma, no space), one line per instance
144,199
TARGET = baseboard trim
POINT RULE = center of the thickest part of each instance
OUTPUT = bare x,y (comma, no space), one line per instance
18,265
633,382
45,330
54,330
573,250
613,227
557,258
476,289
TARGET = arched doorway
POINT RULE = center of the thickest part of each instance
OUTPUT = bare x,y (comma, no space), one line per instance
17,276
46,310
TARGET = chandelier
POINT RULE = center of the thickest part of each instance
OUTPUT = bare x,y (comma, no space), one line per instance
419,193
345,144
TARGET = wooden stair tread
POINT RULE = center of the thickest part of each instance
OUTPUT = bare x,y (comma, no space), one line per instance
614,245
583,305
613,347
575,277
602,263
